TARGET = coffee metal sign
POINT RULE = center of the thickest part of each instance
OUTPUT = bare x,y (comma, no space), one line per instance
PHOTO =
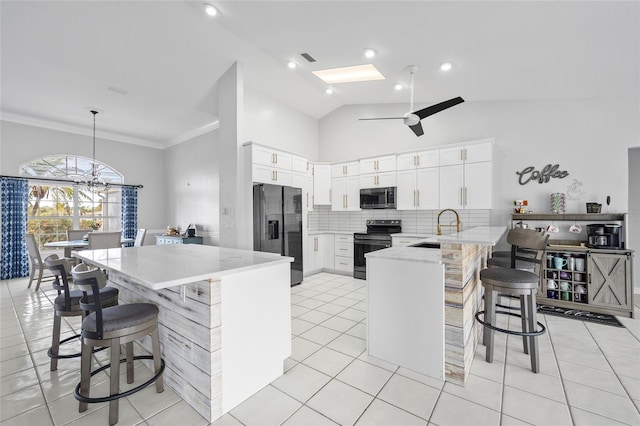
549,171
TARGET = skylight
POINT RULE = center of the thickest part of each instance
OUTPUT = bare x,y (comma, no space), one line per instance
365,72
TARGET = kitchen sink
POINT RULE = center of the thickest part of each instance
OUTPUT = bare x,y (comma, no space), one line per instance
426,245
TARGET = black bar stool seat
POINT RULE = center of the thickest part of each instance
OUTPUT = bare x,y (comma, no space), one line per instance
498,281
111,327
67,304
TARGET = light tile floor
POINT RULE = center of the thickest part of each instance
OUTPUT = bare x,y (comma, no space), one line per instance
590,374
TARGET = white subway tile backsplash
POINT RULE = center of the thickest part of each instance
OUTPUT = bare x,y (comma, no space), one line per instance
413,221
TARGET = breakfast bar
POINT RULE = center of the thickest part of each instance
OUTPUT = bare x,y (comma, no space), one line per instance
225,316
437,292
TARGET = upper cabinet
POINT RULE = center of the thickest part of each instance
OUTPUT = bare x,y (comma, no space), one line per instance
378,172
270,157
416,160
473,153
378,164
321,184
466,176
273,166
345,169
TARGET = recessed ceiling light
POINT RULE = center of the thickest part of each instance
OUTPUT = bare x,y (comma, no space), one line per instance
329,91
369,53
210,9
292,64
398,86
446,66
365,72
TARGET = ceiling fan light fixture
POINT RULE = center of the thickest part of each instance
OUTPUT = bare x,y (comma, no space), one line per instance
446,66
366,72
369,53
209,9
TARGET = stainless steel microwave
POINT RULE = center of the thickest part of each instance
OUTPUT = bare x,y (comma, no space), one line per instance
378,198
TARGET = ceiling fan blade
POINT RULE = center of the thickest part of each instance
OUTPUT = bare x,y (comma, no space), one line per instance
417,129
426,112
383,118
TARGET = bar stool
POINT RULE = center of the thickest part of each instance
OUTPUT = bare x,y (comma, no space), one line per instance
67,304
111,327
515,282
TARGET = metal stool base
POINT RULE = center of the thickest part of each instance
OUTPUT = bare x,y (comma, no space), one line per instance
91,400
513,332
67,356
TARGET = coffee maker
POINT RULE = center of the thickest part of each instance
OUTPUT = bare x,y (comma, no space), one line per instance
605,236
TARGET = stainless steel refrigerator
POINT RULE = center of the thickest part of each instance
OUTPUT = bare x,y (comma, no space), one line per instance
277,223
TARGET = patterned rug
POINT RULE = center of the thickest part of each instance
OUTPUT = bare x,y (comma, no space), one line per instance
580,315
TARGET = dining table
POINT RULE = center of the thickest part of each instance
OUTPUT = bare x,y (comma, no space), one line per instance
70,245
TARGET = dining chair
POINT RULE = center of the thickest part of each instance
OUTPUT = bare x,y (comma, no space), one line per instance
37,265
140,237
76,234
104,240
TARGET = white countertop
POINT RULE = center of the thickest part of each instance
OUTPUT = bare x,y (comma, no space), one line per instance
484,235
162,266
333,232
412,235
407,253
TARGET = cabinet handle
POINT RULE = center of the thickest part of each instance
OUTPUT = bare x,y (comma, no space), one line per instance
276,158
342,263
465,195
313,170
461,196
418,191
414,161
418,160
276,170
343,249
307,200
414,198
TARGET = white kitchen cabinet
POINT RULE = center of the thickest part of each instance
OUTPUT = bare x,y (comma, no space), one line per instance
321,184
343,259
300,164
414,160
270,157
378,164
305,182
478,184
345,193
376,180
418,189
267,174
319,253
472,153
345,169
466,186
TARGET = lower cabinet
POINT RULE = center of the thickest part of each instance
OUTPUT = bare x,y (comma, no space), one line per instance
319,253
343,261
166,239
589,280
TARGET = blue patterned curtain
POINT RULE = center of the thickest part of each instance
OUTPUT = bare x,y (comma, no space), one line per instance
129,211
15,200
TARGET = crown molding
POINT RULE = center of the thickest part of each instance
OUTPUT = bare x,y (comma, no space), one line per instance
214,125
71,128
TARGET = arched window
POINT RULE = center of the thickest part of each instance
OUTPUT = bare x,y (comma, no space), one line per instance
55,207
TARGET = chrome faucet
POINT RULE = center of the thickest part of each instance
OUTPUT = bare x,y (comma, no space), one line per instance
458,223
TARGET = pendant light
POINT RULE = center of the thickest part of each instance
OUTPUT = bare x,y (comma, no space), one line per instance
95,183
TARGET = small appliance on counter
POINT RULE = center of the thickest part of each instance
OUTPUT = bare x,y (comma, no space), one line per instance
191,230
605,236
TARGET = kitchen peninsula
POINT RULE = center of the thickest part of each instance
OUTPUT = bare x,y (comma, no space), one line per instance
422,302
225,316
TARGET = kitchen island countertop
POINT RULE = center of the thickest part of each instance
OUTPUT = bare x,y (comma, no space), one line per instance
163,266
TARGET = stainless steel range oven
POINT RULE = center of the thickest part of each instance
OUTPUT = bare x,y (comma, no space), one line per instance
377,237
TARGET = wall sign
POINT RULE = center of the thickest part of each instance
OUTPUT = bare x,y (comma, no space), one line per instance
549,171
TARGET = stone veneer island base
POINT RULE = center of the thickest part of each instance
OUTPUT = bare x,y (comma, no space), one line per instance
225,316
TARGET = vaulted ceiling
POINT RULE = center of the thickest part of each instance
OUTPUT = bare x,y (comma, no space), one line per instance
152,67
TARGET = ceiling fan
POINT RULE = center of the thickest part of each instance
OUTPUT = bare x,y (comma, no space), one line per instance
412,119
